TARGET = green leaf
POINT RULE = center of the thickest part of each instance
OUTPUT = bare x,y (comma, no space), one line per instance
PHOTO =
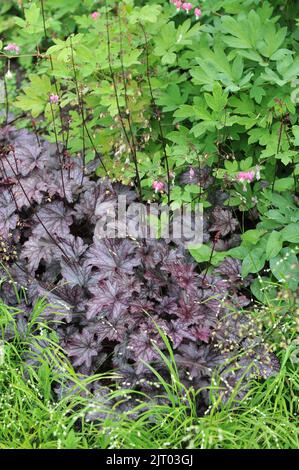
202,128
186,111
287,156
251,237
239,252
168,58
173,99
263,289
241,34
274,245
257,93
35,95
218,100
284,184
285,268
291,233
254,261
146,14
246,164
231,166
243,105
283,202
295,130
238,67
201,254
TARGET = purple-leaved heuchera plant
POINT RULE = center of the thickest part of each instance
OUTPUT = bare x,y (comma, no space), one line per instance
107,297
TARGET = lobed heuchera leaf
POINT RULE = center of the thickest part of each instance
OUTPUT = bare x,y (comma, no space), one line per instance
223,222
56,218
231,268
97,194
75,274
30,156
83,348
8,216
67,183
73,247
113,257
109,298
29,190
195,360
142,342
112,329
39,248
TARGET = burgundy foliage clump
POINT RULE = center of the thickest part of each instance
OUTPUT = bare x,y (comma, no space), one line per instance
108,298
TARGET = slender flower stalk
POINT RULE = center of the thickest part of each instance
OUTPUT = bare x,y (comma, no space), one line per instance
35,132
84,125
277,151
158,117
81,108
52,66
131,145
6,97
128,113
57,148
215,240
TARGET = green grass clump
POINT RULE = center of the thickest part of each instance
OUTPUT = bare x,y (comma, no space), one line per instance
33,418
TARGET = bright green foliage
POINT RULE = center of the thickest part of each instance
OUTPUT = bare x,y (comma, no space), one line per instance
226,87
274,241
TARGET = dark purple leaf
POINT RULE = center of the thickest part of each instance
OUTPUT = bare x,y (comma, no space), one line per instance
37,249
56,218
223,222
29,190
8,216
108,298
113,257
83,348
